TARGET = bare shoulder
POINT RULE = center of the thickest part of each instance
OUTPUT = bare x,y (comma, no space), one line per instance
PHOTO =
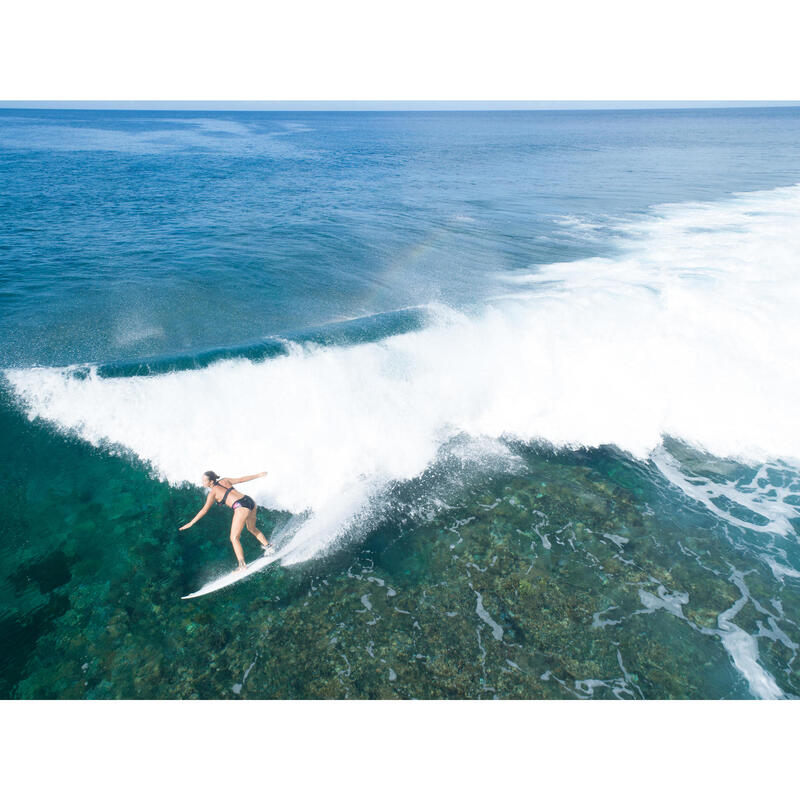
226,482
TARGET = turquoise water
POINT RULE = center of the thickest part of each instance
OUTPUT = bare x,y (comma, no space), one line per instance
523,384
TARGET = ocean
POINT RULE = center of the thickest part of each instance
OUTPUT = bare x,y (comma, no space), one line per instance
525,385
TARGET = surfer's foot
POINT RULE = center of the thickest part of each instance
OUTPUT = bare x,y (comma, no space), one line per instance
241,567
268,549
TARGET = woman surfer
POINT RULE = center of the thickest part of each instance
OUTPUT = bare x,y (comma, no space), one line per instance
244,510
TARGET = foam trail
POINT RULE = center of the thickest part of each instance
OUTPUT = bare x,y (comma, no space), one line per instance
743,649
776,513
691,330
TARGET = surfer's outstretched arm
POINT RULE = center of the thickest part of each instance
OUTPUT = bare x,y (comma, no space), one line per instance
247,478
201,513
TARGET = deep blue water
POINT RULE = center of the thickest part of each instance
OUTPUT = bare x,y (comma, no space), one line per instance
134,234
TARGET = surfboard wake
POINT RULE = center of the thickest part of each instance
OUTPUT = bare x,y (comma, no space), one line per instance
234,577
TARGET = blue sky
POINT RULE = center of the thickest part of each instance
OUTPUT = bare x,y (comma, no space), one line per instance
380,105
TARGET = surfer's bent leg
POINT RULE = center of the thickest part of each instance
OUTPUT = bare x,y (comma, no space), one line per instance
251,526
236,531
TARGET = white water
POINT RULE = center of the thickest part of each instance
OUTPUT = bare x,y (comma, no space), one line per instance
692,329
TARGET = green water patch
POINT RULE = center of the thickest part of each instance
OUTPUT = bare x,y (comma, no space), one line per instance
575,575
91,562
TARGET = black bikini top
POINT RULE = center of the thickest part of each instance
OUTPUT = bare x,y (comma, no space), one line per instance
225,496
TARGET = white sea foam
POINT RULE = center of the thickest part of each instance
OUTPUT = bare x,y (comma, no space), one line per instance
497,630
691,330
774,512
743,648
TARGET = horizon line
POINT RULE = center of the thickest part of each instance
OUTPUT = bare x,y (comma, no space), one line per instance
385,105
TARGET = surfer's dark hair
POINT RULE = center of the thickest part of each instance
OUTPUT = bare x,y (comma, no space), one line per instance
211,475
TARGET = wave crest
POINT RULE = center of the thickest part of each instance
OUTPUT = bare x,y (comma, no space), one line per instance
690,330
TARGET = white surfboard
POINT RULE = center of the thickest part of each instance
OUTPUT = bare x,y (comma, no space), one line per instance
234,577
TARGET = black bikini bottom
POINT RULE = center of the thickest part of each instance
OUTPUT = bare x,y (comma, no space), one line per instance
244,502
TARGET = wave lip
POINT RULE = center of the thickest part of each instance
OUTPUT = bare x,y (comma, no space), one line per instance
342,333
